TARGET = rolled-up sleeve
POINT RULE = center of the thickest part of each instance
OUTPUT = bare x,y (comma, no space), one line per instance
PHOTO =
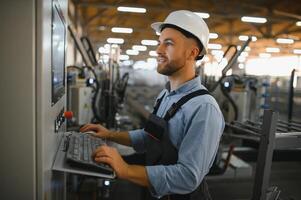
203,128
138,140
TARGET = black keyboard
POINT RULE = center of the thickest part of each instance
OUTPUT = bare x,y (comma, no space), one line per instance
79,153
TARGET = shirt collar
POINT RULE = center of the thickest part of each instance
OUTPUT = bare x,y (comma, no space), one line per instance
185,87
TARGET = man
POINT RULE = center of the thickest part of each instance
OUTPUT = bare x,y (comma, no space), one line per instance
180,140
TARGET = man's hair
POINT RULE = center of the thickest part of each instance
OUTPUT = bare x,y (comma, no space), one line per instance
187,35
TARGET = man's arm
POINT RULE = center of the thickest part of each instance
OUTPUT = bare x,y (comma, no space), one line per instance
121,137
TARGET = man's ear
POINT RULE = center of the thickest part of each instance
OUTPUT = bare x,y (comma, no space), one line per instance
193,53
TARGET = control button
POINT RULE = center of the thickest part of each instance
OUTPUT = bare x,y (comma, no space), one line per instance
68,114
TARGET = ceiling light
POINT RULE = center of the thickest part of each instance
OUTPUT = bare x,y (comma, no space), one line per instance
272,50
247,48
245,38
254,19
103,50
298,23
157,33
245,54
285,41
115,40
132,52
213,35
121,30
124,57
202,15
241,59
131,9
297,51
149,42
214,46
264,55
153,53
217,52
241,66
139,47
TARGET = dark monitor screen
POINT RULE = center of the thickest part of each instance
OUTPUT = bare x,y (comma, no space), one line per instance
57,54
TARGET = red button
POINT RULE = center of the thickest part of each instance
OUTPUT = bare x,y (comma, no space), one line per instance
68,114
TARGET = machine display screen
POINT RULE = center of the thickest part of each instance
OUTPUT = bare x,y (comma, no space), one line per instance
57,54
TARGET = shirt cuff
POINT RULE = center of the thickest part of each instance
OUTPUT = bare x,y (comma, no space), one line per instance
137,140
156,176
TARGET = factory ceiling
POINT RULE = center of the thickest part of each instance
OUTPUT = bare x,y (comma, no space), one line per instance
97,18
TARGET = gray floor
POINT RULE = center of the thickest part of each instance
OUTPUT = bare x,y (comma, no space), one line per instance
285,175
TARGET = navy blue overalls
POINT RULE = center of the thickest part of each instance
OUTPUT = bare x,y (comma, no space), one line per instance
160,150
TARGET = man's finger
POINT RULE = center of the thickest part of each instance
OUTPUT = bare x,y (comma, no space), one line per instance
89,127
104,159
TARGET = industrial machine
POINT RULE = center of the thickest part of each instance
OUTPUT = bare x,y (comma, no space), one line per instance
35,100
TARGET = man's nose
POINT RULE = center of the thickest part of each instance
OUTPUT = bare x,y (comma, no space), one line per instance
159,49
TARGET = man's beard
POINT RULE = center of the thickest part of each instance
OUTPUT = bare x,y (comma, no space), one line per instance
169,68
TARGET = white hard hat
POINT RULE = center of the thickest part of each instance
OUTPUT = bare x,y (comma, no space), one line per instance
189,22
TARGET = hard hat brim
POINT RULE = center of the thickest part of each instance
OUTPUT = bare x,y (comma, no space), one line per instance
157,26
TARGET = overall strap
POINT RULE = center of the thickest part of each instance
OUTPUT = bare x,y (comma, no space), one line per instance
158,103
176,106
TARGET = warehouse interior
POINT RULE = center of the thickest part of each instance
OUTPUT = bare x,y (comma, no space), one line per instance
68,63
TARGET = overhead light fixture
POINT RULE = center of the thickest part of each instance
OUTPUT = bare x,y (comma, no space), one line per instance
150,42
241,59
139,47
132,52
131,9
243,37
241,66
272,50
115,40
245,54
260,20
203,15
121,30
214,46
246,37
213,35
124,57
285,41
264,55
103,50
157,33
246,49
102,28
297,51
153,53
298,23
217,52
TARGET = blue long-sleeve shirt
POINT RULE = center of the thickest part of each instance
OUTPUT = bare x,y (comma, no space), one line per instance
195,131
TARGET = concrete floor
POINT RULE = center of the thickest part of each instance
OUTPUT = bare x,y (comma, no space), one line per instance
285,175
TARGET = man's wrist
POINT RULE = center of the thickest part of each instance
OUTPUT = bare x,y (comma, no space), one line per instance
110,135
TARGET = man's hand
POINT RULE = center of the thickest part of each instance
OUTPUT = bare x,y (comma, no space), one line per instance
99,130
103,133
110,156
